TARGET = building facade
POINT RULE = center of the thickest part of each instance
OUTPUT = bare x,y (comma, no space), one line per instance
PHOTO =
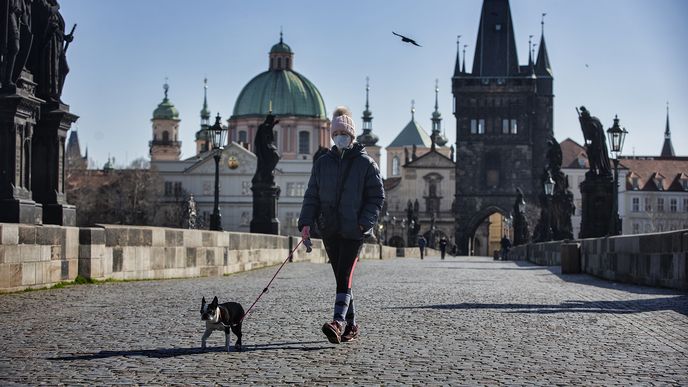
504,117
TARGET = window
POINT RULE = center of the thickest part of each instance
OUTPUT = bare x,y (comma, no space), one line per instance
648,228
168,188
165,136
660,204
685,205
673,205
648,204
492,165
243,137
660,227
514,127
481,126
636,228
177,188
279,62
286,60
395,166
505,126
635,206
659,182
304,143
296,189
635,183
474,126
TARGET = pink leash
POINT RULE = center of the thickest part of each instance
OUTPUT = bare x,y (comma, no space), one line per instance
308,245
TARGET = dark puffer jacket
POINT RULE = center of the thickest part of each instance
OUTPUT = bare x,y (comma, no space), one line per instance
361,196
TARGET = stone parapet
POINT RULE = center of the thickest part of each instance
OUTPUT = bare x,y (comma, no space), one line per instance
37,256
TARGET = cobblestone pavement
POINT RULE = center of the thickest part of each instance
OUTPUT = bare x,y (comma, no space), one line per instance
462,321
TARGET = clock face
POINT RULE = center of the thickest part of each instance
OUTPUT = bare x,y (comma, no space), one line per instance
232,162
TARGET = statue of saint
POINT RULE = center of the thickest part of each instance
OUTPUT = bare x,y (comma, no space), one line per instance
48,61
16,38
266,152
595,143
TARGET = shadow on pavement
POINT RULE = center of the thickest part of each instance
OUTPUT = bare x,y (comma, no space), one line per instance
677,304
161,353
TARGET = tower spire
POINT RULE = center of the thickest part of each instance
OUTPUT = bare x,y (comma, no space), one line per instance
495,48
464,58
668,147
457,65
367,138
166,87
436,137
413,110
542,66
205,113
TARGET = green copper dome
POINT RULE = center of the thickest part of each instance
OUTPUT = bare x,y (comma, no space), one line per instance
280,47
290,92
166,111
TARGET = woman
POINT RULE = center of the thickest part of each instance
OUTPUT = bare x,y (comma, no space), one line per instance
344,195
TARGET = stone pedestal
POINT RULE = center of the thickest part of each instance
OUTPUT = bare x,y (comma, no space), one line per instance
19,110
48,159
265,209
598,202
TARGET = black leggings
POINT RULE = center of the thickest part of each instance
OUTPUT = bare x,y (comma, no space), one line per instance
343,254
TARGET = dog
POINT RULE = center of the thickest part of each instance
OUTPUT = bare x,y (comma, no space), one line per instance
222,317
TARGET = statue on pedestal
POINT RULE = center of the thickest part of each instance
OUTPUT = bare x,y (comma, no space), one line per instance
595,144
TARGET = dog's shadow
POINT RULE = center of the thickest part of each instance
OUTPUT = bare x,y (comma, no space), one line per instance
161,353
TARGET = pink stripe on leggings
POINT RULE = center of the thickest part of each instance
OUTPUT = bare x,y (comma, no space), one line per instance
351,275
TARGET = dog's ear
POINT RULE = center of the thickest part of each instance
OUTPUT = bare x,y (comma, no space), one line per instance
215,301
203,301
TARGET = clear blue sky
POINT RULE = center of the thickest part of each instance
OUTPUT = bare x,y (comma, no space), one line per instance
635,52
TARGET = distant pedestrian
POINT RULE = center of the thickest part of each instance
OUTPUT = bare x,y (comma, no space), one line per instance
421,245
344,196
443,246
506,245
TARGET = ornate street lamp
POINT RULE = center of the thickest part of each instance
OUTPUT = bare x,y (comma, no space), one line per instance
617,136
216,134
549,193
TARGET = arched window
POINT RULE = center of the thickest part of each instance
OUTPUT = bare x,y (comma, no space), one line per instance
279,63
304,143
243,137
165,136
287,60
395,166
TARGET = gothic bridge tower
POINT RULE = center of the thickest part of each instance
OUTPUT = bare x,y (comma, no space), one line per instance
503,119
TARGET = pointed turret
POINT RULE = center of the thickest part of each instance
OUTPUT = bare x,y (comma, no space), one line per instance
542,66
667,148
495,49
367,138
457,64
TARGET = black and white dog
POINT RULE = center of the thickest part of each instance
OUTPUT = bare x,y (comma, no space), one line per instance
222,317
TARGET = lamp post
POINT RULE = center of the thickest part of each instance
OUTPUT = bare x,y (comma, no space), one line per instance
549,192
617,136
216,134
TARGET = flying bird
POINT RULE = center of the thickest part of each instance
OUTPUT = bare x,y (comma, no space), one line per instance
407,40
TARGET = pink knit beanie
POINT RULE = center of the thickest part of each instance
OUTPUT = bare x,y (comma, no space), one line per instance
341,120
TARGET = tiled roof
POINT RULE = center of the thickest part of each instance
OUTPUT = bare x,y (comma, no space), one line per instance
573,155
656,173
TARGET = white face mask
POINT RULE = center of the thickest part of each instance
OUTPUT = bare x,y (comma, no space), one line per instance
342,141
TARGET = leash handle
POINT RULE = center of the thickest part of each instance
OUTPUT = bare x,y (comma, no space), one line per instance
265,290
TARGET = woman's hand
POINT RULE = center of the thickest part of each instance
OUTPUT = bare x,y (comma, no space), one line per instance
306,232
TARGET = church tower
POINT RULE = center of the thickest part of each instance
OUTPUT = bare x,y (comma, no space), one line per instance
165,144
368,138
668,147
504,115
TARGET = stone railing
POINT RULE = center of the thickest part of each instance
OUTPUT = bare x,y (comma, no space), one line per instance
658,259
37,256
